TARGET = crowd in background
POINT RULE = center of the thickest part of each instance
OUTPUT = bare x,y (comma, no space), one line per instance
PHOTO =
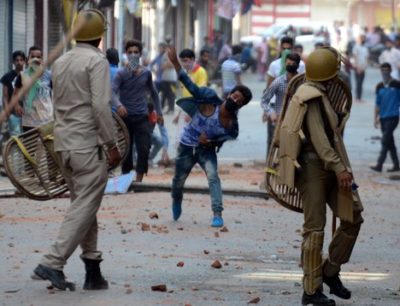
219,64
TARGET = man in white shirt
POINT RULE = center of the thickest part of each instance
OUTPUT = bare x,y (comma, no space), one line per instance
277,67
231,71
360,64
391,55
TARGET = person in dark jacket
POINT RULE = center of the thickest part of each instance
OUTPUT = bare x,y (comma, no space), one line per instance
213,121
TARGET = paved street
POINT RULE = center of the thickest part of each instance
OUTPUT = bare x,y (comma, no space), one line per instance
259,251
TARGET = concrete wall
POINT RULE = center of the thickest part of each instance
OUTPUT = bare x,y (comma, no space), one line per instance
329,11
374,13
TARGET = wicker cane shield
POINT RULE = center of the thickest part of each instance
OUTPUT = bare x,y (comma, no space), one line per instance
341,99
33,167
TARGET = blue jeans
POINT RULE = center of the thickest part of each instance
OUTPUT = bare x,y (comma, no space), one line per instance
156,145
186,158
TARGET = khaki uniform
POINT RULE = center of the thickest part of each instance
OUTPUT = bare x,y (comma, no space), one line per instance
311,142
82,114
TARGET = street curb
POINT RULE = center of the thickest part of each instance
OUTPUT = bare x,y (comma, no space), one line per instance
149,187
157,187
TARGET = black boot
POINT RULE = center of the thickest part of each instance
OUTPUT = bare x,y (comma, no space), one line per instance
56,277
318,298
94,280
336,286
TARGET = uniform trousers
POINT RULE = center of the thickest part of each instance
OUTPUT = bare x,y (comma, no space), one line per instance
85,173
319,187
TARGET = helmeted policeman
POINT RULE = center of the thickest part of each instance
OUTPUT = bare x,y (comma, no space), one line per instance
313,159
82,120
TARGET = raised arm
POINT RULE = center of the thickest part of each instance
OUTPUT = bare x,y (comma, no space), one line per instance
182,75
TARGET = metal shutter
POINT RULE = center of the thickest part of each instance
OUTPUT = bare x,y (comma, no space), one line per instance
3,38
30,23
54,24
19,25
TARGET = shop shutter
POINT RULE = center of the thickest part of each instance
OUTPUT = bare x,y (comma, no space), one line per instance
19,25
54,24
3,38
30,23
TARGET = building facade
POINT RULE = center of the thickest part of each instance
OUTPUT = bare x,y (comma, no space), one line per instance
28,23
282,11
43,22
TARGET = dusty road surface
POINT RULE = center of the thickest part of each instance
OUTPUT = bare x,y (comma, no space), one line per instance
258,251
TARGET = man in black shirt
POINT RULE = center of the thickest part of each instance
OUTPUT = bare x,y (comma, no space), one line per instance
8,82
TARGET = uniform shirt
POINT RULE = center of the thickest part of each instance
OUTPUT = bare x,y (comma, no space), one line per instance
130,91
276,89
199,76
230,69
274,69
317,131
388,99
82,95
37,103
210,125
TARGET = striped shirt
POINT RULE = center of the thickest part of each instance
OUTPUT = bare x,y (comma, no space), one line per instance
277,89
